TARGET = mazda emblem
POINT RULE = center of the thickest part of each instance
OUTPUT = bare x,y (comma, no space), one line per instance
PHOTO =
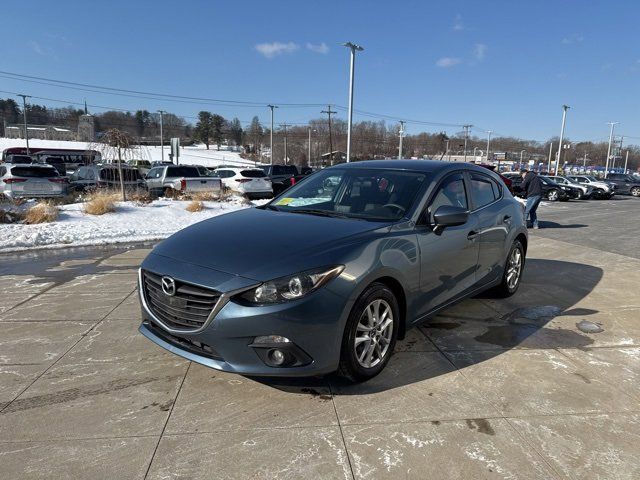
169,286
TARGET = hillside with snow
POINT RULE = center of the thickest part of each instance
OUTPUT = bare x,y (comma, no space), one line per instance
195,155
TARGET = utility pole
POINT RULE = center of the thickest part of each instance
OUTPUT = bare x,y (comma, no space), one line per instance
626,160
161,112
353,47
550,153
285,125
521,152
330,112
613,160
401,134
446,149
466,137
271,135
24,116
309,154
564,120
584,162
606,167
488,144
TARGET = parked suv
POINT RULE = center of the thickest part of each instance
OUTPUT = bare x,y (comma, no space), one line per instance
251,182
583,192
282,176
625,184
170,179
105,176
601,190
36,180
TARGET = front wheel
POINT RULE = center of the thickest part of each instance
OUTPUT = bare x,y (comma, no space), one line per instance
553,195
579,195
635,191
370,334
512,272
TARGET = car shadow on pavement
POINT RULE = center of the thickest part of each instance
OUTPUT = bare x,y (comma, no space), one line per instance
479,329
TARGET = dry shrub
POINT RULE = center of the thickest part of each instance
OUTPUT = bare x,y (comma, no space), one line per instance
204,196
43,212
140,197
195,206
100,203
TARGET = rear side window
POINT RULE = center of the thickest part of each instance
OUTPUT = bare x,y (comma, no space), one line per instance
111,175
182,172
252,173
34,172
483,190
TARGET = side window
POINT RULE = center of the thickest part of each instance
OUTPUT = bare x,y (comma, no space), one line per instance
483,190
450,192
3,171
226,173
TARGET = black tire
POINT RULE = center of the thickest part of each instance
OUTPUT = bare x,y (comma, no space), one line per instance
599,194
579,195
635,191
504,290
553,195
350,367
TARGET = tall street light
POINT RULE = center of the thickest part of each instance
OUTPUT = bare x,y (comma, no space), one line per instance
488,143
309,154
606,168
271,135
24,116
400,134
521,153
353,47
161,112
564,120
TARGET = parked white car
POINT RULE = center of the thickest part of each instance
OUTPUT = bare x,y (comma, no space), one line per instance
251,182
32,181
585,190
601,189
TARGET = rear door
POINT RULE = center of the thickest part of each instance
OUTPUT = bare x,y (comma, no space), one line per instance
493,225
449,259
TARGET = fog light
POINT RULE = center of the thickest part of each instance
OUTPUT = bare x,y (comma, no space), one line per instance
277,357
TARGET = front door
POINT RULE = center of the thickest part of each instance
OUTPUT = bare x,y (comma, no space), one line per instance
448,259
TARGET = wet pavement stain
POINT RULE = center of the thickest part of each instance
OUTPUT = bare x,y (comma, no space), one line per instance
444,325
582,377
482,425
71,394
316,394
540,312
509,336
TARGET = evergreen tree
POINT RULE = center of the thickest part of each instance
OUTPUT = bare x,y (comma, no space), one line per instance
204,128
217,125
255,133
235,131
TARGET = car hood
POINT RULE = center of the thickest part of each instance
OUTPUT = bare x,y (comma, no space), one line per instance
264,244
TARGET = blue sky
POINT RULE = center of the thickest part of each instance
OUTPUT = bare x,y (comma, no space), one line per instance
507,66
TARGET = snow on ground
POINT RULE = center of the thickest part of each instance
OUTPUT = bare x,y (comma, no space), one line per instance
195,155
130,223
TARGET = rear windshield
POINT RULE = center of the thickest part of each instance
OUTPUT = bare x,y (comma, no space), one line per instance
182,172
20,159
252,173
34,172
111,175
54,160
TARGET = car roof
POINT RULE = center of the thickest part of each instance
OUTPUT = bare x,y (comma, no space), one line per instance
35,165
426,166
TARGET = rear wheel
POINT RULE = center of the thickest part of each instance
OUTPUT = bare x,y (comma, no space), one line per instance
635,191
370,334
553,195
579,195
513,270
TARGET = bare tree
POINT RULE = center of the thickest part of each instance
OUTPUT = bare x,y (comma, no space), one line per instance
117,145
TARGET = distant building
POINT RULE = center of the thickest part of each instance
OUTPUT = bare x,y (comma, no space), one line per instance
86,128
43,132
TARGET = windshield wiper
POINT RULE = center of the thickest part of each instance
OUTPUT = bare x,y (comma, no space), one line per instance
320,213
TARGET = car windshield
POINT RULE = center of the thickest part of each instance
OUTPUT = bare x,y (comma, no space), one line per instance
362,193
34,172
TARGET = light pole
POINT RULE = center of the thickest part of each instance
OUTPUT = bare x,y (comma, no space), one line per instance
285,125
353,47
488,143
309,156
550,153
401,134
564,120
466,137
271,135
626,160
446,149
521,153
606,167
24,116
161,112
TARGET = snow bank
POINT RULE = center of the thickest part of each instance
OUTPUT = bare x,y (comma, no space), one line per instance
130,223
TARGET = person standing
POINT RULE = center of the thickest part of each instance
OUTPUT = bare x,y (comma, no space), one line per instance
532,188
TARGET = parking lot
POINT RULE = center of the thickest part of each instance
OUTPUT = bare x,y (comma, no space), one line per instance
517,388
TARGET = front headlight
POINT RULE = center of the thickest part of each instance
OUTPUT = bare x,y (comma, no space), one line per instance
291,287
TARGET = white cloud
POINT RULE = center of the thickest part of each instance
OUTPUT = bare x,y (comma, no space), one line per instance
322,48
457,23
272,49
35,46
479,51
575,38
446,62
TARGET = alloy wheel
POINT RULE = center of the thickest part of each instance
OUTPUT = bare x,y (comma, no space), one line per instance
374,333
514,268
552,196
635,191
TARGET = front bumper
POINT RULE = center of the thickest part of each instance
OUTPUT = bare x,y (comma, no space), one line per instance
313,324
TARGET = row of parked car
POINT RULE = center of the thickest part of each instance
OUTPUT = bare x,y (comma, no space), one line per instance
23,179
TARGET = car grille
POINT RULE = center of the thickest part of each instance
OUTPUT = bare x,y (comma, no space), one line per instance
187,310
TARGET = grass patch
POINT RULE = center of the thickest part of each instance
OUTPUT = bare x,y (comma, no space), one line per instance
100,203
140,197
195,206
42,212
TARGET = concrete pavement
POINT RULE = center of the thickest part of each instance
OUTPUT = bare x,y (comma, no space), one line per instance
489,389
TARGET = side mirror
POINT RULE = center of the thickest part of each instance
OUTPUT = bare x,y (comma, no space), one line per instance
449,216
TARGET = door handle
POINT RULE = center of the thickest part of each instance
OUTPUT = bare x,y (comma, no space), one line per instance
472,234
